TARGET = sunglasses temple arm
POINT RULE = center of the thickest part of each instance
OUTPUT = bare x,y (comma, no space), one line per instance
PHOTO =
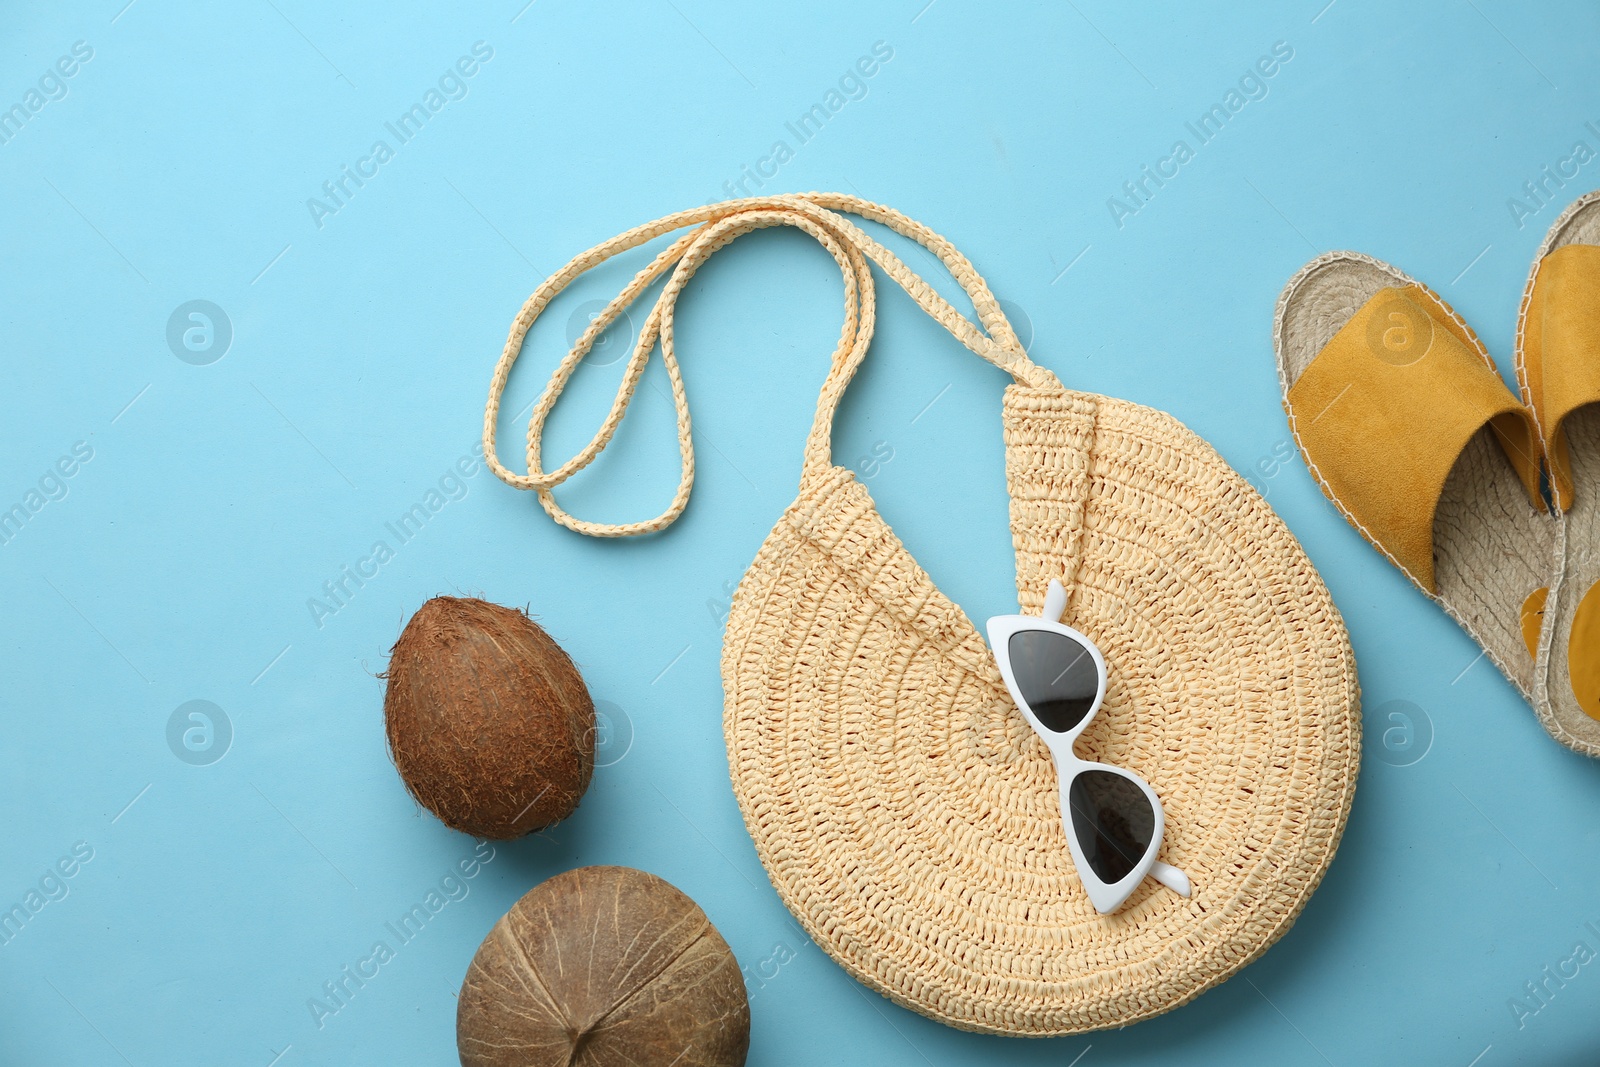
1171,877
1055,601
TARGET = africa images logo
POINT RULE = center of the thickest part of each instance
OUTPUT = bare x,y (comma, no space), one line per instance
851,85
337,192
51,86
1544,188
1205,128
452,887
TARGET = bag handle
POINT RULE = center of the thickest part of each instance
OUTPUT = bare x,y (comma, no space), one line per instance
818,214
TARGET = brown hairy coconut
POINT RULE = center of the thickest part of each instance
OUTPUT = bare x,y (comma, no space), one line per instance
489,723
603,967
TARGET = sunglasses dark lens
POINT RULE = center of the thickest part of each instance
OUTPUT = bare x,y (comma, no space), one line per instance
1113,820
1056,676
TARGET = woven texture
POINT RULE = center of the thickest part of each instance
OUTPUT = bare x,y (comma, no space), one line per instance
905,812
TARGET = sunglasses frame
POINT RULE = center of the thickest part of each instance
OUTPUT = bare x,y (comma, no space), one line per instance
1106,896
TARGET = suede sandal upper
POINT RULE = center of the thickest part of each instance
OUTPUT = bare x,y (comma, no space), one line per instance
1560,336
1385,409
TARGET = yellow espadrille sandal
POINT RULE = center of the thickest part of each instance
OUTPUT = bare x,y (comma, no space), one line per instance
1409,430
1558,365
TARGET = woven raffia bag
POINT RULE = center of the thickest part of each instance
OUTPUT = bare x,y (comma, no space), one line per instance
903,809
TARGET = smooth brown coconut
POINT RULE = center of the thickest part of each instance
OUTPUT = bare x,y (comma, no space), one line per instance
489,723
603,967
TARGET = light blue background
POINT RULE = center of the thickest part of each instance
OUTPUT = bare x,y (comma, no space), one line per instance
220,498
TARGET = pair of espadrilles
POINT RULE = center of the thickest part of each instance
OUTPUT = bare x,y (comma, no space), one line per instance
1488,503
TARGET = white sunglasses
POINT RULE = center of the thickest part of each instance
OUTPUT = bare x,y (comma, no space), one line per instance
1113,819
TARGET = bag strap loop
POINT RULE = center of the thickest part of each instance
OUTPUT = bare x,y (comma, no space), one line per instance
817,214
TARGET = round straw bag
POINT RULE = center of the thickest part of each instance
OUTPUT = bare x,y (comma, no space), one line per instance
905,812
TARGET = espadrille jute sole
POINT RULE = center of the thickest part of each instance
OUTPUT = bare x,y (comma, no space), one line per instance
1567,664
1492,551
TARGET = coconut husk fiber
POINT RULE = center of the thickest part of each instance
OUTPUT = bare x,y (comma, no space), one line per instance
488,720
603,967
